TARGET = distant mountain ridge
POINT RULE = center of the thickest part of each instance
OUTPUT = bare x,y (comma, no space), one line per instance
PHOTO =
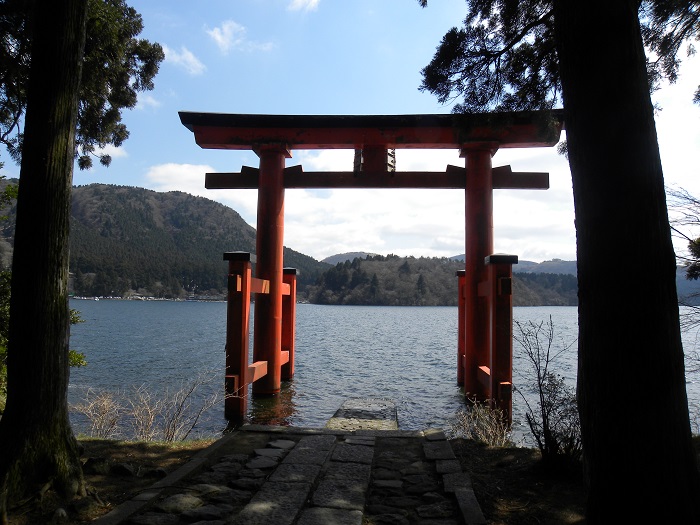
348,256
688,291
554,266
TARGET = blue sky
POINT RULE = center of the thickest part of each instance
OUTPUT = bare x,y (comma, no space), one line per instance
342,57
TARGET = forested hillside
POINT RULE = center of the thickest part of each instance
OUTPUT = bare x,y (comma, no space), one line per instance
128,241
133,241
162,244
410,281
545,289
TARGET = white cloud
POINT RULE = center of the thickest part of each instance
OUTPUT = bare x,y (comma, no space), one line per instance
190,179
145,100
232,35
183,177
427,159
305,5
678,128
535,225
112,151
184,59
323,160
404,222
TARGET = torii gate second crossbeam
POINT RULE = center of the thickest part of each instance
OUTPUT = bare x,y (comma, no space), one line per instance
482,367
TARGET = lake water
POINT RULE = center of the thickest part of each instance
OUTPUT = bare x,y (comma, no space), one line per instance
407,354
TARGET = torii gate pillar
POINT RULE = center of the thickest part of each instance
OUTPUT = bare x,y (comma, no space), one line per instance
479,245
267,340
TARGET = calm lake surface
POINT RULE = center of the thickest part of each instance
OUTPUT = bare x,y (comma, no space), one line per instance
407,354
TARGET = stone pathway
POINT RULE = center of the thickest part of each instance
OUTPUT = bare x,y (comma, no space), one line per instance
343,474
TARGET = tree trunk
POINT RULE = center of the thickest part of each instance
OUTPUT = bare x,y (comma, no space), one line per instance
36,440
639,458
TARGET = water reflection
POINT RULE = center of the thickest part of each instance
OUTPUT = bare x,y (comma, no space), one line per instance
274,410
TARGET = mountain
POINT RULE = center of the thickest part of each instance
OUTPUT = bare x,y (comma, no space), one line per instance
126,240
423,281
553,266
688,291
166,244
349,256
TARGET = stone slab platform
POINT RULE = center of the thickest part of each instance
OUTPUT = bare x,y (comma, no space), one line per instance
368,413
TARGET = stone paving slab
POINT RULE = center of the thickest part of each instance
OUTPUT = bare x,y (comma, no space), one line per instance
284,444
438,450
349,471
361,440
349,424
434,434
278,503
468,504
314,476
365,413
353,453
447,466
326,516
296,472
306,456
311,450
368,408
454,481
323,442
340,494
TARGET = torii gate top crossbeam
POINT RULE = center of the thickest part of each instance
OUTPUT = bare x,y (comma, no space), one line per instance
451,131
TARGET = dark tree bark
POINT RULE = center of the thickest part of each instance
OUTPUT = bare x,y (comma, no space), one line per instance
638,451
36,440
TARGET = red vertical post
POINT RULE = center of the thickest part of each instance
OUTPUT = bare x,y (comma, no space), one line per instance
460,327
501,270
267,342
289,312
479,244
237,323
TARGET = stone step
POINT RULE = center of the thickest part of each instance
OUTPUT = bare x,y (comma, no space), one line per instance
367,413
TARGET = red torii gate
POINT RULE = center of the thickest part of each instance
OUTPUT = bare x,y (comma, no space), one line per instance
485,313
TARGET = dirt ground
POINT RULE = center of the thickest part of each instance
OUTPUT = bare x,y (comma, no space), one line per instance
513,488
509,484
115,471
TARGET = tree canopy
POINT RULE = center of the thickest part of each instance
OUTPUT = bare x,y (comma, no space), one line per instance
504,58
669,27
601,60
117,66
